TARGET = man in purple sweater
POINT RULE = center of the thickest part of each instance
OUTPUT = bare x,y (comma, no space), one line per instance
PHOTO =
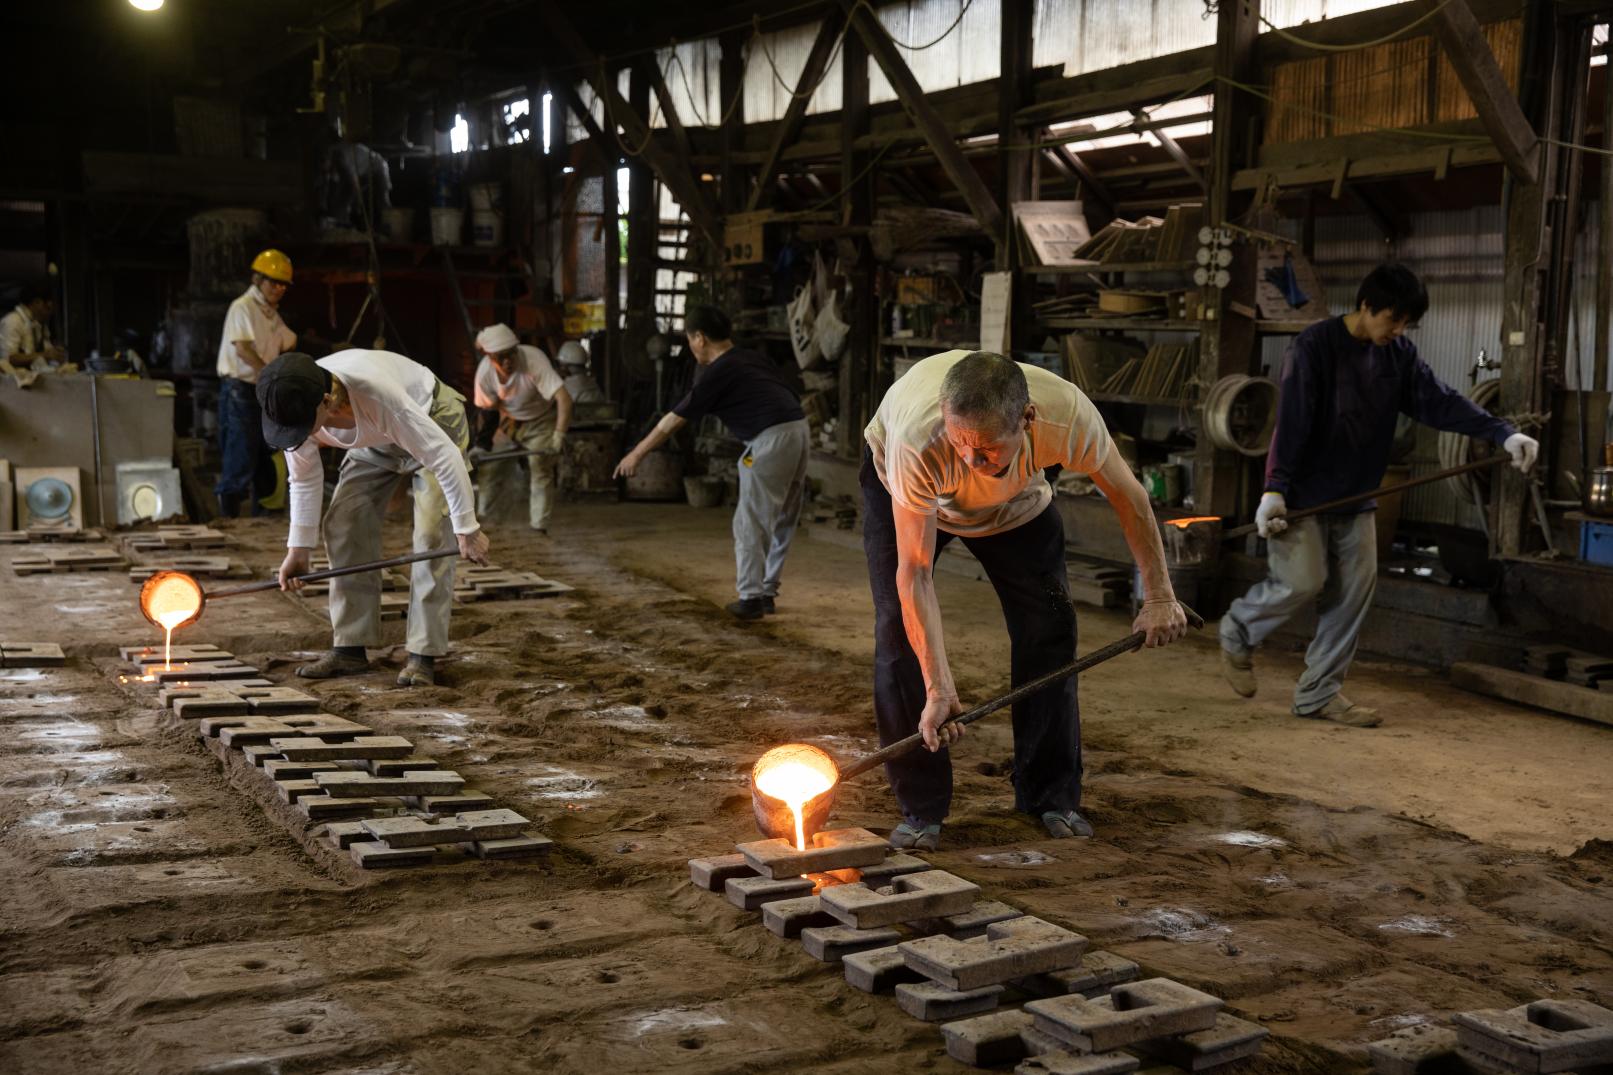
1345,381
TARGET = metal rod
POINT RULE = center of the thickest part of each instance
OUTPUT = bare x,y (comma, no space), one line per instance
1346,501
513,453
1096,657
95,424
334,572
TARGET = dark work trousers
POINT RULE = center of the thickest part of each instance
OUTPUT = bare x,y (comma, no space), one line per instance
246,471
1026,567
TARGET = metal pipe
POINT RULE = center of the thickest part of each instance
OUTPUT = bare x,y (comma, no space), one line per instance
1346,501
335,572
95,424
1024,690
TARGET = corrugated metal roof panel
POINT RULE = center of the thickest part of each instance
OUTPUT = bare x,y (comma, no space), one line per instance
1055,33
691,71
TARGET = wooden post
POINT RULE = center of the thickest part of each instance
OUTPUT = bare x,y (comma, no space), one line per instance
1228,344
1604,243
761,195
1013,152
860,369
925,117
642,224
731,135
611,243
1464,45
635,127
1526,268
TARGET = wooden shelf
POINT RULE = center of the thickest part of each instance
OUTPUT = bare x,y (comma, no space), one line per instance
1121,397
1110,267
921,341
1283,328
1125,324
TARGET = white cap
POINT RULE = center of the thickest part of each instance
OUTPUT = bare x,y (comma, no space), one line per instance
495,338
573,353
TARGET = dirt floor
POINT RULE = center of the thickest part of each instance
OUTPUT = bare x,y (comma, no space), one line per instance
1331,883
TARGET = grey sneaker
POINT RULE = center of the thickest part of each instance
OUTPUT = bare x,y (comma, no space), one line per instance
1064,826
334,664
1239,671
1341,710
915,836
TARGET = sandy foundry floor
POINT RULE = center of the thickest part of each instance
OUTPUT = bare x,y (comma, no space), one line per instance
152,917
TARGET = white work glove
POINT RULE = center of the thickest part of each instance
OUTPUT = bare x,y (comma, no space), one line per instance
1269,519
557,442
1523,449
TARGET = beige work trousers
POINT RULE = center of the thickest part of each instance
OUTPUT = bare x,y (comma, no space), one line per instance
352,531
497,485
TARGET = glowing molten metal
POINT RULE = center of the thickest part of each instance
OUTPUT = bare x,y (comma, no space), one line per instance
170,599
795,775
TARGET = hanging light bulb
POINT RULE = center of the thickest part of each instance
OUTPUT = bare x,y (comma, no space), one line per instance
145,5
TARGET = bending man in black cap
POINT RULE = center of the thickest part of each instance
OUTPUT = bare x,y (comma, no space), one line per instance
397,422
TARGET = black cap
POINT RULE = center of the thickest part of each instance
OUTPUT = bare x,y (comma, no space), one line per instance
290,390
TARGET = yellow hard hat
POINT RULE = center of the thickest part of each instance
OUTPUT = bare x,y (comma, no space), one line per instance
273,264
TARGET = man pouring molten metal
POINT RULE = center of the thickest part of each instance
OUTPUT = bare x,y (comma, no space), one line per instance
963,446
397,423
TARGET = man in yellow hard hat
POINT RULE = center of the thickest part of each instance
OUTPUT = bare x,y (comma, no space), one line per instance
254,334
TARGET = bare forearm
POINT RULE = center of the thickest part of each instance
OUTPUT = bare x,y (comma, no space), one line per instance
562,420
656,437
248,353
1137,522
921,616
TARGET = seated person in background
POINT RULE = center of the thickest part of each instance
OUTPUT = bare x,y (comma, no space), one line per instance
25,343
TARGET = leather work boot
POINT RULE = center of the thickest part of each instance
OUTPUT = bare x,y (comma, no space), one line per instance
334,664
767,606
1239,672
1341,710
747,608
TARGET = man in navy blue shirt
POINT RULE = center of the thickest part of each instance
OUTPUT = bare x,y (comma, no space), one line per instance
753,398
1345,381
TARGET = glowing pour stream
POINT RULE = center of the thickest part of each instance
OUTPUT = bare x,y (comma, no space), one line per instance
170,599
795,779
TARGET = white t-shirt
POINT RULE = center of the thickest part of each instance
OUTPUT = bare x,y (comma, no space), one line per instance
391,397
20,334
252,320
925,474
529,392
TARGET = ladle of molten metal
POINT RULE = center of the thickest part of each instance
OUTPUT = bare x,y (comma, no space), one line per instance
793,786
172,599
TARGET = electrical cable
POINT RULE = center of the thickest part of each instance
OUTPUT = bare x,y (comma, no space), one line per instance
1384,40
963,10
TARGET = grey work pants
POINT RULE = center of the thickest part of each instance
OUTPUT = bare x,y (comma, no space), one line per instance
772,480
495,488
352,530
1331,562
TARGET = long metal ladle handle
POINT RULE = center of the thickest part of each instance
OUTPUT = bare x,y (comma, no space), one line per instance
1346,501
1096,657
335,572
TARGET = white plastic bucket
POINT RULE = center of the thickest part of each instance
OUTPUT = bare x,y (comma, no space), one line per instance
447,225
400,223
486,196
486,227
